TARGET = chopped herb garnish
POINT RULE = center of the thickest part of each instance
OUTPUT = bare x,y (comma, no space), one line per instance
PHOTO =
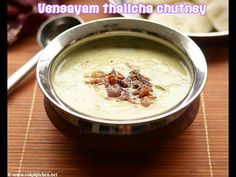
160,87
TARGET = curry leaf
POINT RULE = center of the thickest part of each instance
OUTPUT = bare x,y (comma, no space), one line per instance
160,87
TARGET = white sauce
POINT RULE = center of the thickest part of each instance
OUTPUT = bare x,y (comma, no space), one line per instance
163,66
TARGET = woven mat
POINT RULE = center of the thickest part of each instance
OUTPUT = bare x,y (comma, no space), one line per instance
35,146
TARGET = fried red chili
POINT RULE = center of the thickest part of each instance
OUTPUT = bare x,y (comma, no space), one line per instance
135,88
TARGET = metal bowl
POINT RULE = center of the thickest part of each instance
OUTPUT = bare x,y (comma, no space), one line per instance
94,126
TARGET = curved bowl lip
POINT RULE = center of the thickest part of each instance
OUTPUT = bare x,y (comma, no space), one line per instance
129,121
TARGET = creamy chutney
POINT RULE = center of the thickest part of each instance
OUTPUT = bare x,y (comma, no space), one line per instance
168,75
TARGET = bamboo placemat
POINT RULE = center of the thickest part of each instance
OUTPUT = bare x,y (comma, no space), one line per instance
36,146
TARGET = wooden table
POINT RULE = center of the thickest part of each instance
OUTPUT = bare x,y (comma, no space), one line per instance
35,146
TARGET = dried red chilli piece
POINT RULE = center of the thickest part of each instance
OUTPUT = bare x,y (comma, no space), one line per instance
123,83
112,79
145,91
